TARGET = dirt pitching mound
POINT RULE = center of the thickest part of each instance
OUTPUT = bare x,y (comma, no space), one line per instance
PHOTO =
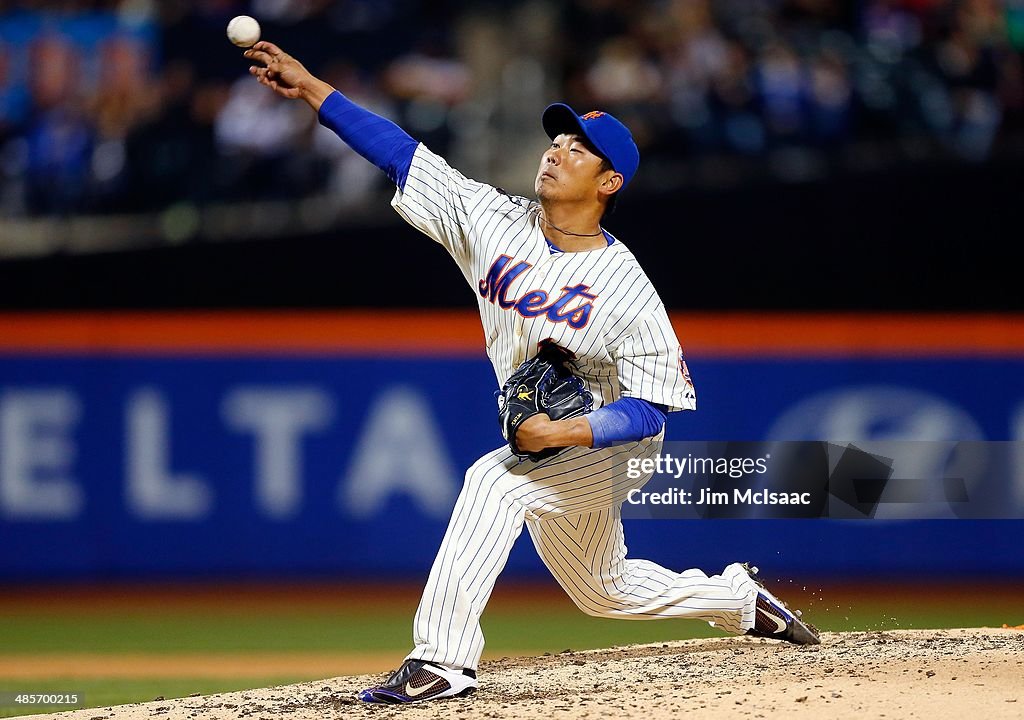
896,674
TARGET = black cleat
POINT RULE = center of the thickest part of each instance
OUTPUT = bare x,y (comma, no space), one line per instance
418,680
773,619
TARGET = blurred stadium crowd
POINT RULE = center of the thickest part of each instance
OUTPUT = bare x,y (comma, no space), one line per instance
135,105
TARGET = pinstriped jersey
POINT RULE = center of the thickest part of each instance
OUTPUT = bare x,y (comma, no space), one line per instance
599,304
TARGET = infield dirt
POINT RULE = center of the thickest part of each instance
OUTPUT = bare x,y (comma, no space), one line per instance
893,674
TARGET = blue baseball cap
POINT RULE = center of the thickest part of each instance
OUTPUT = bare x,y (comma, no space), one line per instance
608,136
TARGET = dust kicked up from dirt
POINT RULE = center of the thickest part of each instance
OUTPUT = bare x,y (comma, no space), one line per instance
936,674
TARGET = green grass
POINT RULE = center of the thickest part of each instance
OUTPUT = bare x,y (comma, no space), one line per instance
531,628
507,630
211,631
895,616
127,632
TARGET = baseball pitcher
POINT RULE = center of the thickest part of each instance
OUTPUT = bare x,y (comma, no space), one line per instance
588,365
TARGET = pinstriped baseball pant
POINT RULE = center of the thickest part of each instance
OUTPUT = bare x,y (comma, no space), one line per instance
571,506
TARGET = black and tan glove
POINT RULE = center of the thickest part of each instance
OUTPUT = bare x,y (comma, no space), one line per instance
542,384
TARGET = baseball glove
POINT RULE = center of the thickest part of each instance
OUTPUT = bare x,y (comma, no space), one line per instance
542,384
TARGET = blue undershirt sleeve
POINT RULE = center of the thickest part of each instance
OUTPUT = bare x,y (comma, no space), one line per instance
377,139
627,419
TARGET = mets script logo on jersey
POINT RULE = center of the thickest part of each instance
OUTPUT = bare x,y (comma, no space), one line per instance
572,307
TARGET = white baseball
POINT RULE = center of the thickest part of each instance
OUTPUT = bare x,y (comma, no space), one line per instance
244,31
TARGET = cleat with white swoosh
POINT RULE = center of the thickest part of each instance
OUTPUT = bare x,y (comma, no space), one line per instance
418,680
773,619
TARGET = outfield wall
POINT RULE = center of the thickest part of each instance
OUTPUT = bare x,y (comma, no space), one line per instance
324,444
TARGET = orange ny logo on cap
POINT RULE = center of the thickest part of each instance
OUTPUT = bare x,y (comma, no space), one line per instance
592,115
